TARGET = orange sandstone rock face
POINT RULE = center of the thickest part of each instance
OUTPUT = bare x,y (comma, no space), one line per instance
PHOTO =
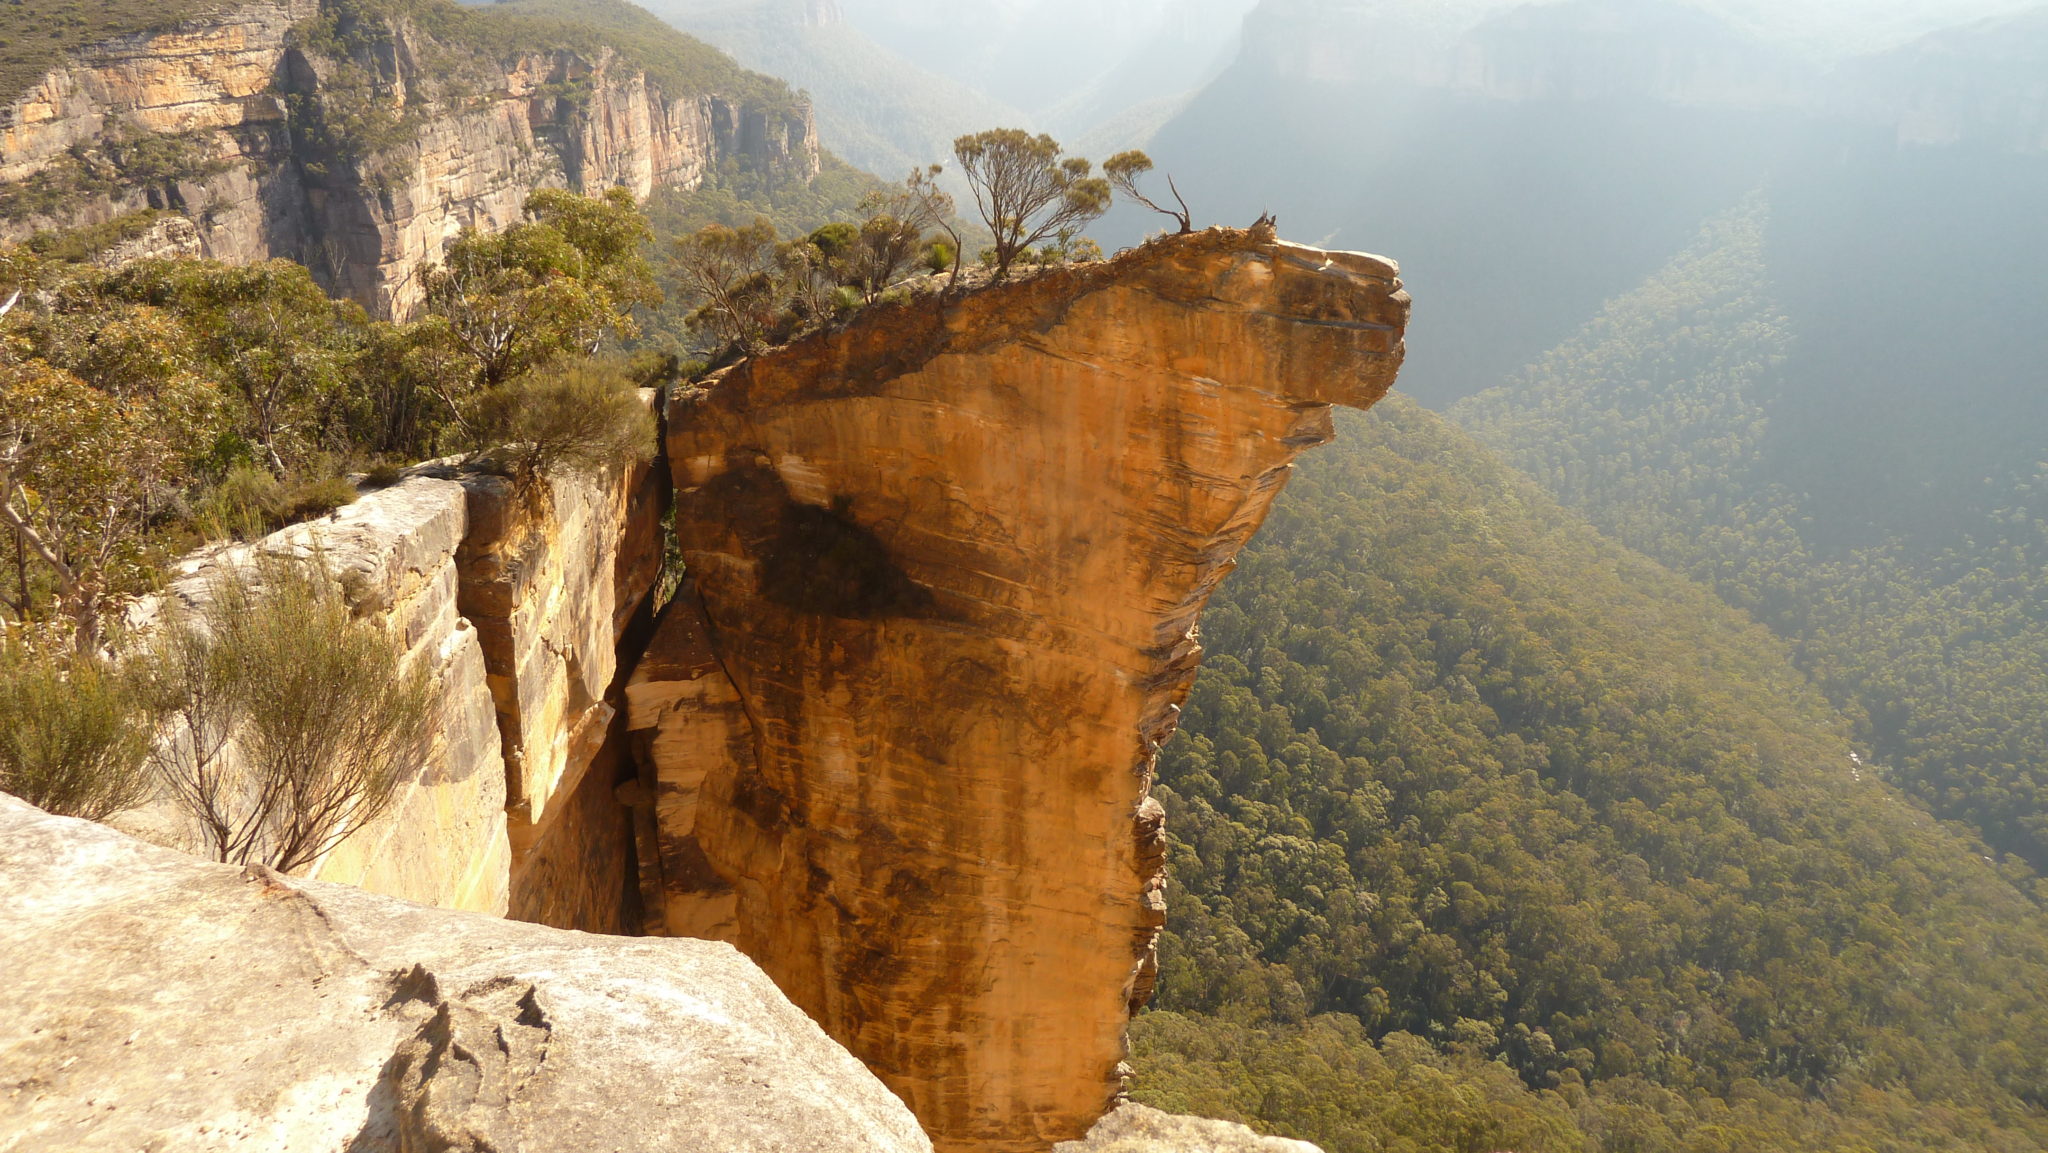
947,566
554,578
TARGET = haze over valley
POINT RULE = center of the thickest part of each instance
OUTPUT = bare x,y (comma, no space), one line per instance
1627,735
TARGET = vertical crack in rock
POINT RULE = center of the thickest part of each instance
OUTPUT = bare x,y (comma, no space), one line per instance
946,567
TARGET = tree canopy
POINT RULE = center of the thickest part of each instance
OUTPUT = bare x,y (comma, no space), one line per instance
1026,191
1488,833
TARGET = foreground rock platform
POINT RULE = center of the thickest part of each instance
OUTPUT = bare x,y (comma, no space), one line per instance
1135,1128
154,1001
947,561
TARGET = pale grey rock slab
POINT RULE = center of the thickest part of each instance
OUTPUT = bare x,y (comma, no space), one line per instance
153,1001
1135,1128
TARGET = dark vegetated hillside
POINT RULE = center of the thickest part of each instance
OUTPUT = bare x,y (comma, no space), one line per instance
1490,834
1916,279
1773,414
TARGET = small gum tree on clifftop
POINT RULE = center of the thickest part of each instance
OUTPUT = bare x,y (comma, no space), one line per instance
1123,171
1026,192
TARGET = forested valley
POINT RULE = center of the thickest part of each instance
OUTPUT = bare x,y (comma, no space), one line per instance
1493,834
1914,588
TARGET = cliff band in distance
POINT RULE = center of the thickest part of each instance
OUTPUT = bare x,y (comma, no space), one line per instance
259,122
946,566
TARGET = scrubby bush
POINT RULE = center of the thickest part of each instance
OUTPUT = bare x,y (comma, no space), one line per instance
295,721
578,415
72,735
249,502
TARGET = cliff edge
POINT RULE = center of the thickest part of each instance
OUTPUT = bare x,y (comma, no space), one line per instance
155,1001
359,138
898,731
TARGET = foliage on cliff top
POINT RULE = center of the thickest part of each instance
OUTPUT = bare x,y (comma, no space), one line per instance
679,64
35,35
1491,834
144,406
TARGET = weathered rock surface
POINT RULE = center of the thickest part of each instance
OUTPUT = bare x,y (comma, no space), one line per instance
238,92
209,74
1135,1128
554,577
518,601
948,563
153,1001
444,841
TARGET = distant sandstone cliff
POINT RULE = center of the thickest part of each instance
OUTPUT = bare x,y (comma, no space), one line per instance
360,148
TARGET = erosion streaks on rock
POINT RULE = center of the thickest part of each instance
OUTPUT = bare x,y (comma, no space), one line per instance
950,560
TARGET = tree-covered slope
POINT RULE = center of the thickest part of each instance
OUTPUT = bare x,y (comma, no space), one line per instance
1913,582
1491,834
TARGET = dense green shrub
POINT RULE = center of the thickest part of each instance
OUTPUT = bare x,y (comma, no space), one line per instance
148,407
578,416
72,733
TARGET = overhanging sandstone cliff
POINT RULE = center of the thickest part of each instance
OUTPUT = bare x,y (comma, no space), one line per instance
946,567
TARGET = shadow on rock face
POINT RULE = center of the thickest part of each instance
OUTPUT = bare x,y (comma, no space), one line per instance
812,559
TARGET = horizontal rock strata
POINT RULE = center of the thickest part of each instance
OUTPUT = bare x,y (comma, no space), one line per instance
948,563
519,600
444,840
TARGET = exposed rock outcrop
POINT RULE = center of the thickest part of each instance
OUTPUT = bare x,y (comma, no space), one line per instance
359,159
947,566
520,601
1134,1128
153,1001
555,576
443,842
